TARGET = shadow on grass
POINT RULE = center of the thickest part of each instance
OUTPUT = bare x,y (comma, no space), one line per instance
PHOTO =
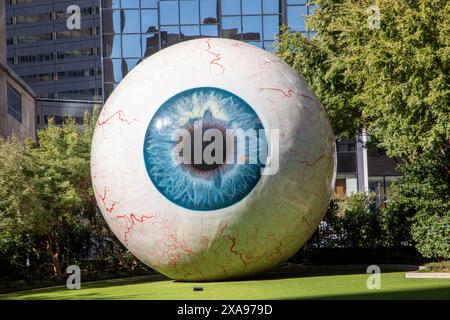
416,294
90,285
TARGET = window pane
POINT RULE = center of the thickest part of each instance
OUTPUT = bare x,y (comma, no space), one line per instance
169,36
190,32
111,21
131,21
211,30
131,45
231,7
189,12
208,11
251,28
150,44
149,3
108,70
149,21
128,65
297,1
169,12
296,17
231,27
251,7
111,46
129,3
115,4
271,27
112,69
271,6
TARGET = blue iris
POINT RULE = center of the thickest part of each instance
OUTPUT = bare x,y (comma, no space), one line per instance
202,187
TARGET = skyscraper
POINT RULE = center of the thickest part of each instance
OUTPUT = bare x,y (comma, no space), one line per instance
135,29
61,65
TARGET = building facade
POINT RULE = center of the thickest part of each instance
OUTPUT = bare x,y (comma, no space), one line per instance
135,29
17,99
61,65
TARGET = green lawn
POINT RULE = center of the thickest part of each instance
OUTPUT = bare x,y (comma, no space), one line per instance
304,286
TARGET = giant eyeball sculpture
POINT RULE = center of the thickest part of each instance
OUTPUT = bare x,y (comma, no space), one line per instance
213,160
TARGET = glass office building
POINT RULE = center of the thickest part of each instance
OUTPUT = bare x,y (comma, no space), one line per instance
135,29
62,66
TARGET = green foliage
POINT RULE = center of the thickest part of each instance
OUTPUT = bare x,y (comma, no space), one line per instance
443,266
394,80
354,222
47,204
432,235
361,221
420,206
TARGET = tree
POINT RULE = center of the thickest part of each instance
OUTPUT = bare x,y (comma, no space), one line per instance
394,82
419,209
45,186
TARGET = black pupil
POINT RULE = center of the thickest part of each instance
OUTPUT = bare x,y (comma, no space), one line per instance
204,166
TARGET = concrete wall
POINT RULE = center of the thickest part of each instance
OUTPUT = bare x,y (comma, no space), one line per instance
8,124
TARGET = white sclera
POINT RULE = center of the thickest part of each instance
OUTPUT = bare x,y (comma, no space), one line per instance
255,234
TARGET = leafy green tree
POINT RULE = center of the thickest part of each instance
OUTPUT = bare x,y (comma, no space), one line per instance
394,82
361,222
45,186
419,209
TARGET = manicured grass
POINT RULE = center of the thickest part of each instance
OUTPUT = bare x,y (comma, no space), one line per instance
303,286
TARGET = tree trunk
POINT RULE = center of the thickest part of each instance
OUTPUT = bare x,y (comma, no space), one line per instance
54,255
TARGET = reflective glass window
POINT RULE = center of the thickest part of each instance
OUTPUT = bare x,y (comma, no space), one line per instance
131,45
111,21
109,87
296,17
231,7
128,65
149,3
271,26
251,7
169,35
189,12
231,27
208,11
297,2
112,69
210,30
112,46
169,12
252,27
149,21
271,6
33,18
189,32
131,21
129,3
150,44
115,4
